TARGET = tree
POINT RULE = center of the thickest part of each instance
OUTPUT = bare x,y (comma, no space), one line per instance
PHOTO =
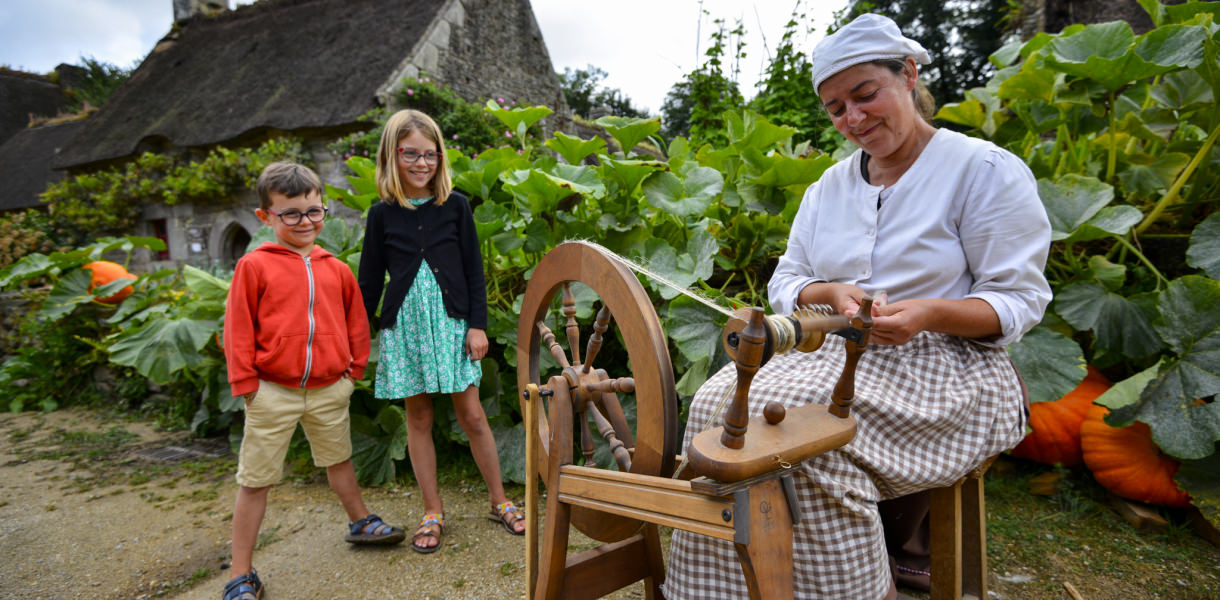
959,35
584,93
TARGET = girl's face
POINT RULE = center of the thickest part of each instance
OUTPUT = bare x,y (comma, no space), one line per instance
871,106
417,161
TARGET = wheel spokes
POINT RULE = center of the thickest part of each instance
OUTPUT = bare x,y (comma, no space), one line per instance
573,330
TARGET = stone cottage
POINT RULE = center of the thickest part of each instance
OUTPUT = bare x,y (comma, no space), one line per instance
306,68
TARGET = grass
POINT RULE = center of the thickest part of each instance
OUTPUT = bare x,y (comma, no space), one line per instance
1075,537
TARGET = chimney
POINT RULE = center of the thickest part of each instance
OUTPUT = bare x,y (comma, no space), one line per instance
185,10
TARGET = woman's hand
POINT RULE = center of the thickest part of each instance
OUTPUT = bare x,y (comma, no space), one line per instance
844,298
476,344
897,323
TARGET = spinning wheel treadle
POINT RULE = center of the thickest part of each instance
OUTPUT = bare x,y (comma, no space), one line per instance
652,447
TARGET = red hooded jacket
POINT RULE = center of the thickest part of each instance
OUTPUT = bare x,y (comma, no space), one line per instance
294,320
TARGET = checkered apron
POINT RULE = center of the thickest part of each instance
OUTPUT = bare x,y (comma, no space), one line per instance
928,412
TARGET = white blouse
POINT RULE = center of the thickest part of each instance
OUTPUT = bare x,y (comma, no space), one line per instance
964,221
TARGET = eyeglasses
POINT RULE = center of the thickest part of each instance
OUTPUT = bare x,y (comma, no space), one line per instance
410,156
293,216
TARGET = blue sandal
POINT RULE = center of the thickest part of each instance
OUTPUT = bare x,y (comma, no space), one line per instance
244,587
372,530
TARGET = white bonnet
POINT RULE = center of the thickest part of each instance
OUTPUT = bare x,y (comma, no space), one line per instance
868,37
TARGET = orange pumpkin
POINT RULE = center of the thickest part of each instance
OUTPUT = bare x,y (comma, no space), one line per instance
1055,435
103,272
1127,462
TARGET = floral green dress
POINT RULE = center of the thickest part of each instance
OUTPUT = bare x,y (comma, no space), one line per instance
425,351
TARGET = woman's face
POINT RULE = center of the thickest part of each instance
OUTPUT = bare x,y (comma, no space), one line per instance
872,106
416,175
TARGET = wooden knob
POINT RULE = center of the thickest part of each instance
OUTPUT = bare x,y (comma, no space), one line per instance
774,412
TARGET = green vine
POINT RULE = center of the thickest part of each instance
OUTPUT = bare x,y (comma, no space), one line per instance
109,202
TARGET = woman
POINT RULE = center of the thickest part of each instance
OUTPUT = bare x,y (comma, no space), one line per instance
951,229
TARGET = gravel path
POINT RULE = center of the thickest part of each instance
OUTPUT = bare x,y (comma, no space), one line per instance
90,511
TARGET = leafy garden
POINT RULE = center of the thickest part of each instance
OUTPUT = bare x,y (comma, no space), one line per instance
1120,130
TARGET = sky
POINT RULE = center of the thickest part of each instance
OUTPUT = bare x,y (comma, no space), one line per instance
645,46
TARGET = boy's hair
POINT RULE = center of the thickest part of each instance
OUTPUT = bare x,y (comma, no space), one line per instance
398,126
287,178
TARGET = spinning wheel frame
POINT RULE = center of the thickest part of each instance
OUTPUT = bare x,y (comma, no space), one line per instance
656,435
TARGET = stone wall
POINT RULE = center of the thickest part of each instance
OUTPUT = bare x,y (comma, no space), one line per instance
488,49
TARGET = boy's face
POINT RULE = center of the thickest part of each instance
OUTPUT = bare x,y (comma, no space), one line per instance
299,236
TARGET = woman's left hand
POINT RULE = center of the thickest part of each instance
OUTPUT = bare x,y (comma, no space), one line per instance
897,323
476,344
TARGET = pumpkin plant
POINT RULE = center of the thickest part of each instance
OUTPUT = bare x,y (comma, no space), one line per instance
1125,461
1121,131
1054,437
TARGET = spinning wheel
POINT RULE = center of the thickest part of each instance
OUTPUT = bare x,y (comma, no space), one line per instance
649,449
743,478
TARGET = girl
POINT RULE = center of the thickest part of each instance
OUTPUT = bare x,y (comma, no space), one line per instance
434,313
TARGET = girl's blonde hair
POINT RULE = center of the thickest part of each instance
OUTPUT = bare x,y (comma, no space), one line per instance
400,125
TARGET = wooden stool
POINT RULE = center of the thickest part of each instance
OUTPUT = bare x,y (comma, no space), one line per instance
958,531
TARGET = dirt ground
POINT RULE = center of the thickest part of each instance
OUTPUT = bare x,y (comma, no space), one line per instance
98,508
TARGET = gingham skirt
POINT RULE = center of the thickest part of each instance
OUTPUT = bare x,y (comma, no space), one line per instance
928,412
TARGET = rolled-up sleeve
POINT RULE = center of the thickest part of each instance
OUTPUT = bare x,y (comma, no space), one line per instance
1006,237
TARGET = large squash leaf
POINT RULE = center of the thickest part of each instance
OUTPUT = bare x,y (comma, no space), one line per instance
159,348
573,149
1123,325
685,196
628,132
1204,251
70,291
1190,324
1110,54
1071,201
1050,363
376,444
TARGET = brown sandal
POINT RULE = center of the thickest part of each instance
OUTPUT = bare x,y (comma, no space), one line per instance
507,514
433,526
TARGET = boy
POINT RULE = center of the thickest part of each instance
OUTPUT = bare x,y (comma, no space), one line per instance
296,336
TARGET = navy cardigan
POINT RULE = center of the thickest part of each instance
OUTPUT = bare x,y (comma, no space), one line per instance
398,239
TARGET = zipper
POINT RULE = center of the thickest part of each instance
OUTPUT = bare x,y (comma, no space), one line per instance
312,324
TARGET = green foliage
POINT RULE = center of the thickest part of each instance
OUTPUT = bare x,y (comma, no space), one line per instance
100,80
786,95
465,125
23,233
712,93
109,202
1121,132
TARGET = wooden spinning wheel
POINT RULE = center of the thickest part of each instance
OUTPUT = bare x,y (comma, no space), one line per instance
651,448
743,492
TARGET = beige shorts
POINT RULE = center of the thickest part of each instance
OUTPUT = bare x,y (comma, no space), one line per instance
272,417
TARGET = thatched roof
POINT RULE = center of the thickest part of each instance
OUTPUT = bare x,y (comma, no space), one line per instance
25,163
292,65
23,94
